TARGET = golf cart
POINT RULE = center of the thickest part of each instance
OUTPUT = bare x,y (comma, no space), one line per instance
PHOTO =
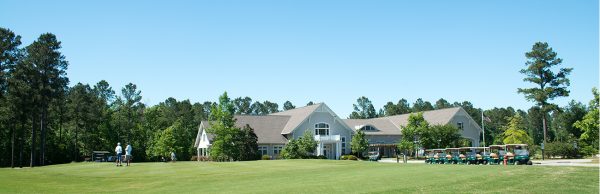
477,155
463,156
373,156
429,156
452,154
439,156
497,153
520,154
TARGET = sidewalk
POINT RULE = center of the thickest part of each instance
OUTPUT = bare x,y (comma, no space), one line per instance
566,162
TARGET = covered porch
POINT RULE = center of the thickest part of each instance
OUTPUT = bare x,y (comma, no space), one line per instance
329,146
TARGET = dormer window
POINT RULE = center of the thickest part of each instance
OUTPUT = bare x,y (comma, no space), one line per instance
321,129
368,128
460,125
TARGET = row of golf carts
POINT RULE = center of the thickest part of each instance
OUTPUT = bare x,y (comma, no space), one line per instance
514,154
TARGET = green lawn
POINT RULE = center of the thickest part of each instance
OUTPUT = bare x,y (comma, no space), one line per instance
298,176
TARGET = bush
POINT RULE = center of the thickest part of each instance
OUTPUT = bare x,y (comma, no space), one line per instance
588,150
321,157
266,157
352,157
194,158
560,149
348,157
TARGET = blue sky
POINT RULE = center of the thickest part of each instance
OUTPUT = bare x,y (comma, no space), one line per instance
332,52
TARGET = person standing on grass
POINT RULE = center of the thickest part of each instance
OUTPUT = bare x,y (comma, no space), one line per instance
119,151
173,158
128,153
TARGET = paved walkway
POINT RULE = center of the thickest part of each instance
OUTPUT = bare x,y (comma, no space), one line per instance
554,162
566,162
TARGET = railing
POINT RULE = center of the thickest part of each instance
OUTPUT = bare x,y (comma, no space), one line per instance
323,138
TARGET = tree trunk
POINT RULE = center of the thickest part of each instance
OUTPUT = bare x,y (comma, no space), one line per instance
544,127
43,137
75,144
33,126
21,144
12,147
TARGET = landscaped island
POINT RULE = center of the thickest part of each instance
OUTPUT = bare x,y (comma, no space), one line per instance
297,176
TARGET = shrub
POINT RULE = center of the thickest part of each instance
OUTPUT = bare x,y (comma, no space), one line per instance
201,158
321,157
348,157
266,157
588,150
352,157
560,149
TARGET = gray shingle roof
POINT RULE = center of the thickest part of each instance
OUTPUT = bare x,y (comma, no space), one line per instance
392,125
297,116
267,127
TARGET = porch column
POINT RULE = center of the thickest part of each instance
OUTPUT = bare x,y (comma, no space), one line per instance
338,150
320,149
198,154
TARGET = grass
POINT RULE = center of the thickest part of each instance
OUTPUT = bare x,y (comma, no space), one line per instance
297,176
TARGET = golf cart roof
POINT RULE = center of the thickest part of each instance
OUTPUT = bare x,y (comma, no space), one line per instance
524,145
452,148
438,149
497,146
467,148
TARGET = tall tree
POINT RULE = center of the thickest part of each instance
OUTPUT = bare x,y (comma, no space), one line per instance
403,106
9,55
589,125
242,105
564,118
271,107
83,114
310,103
390,109
549,85
363,109
288,105
515,133
442,103
359,143
50,67
421,105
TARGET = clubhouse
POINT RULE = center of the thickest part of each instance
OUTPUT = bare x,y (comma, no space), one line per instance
334,134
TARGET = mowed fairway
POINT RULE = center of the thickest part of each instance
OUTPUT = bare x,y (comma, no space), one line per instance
297,176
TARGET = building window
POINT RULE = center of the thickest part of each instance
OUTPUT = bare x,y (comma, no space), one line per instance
263,150
321,129
343,145
460,125
368,128
277,150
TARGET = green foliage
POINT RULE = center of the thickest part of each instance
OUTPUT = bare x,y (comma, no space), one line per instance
514,133
266,157
288,105
421,105
301,148
359,143
348,157
562,121
589,125
541,60
560,149
363,109
165,144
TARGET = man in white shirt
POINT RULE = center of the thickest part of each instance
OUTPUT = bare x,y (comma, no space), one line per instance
128,153
119,151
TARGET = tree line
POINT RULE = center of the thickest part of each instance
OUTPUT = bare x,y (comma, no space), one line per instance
44,121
